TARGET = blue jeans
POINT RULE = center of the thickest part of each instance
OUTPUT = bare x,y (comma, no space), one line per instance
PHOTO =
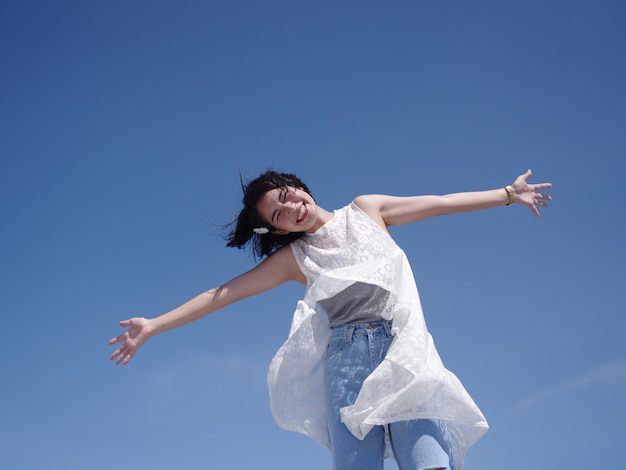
354,351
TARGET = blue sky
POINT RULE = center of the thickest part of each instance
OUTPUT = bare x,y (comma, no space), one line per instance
124,126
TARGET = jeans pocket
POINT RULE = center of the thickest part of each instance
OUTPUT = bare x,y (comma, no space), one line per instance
335,345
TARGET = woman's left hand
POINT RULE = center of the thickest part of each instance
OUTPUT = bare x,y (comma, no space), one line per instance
528,195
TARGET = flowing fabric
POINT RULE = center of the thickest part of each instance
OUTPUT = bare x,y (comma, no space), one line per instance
410,383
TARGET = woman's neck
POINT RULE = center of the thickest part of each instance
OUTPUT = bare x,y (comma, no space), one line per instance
323,216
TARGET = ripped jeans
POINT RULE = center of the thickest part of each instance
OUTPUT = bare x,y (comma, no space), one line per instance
354,351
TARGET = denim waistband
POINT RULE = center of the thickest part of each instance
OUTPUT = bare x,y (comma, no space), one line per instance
351,330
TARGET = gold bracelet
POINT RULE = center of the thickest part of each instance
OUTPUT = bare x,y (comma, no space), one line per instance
511,194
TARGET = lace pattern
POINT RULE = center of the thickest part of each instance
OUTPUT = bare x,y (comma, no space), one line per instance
410,383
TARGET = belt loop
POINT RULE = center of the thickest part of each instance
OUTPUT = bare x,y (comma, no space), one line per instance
387,324
349,335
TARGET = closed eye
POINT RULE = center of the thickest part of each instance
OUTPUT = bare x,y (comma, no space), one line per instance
281,198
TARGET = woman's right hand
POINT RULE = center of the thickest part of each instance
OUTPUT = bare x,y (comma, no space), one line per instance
139,331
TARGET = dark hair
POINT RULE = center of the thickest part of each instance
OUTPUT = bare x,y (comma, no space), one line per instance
241,233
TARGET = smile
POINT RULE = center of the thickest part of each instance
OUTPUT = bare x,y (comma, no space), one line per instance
302,213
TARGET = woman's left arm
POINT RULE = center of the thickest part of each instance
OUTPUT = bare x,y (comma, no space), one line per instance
394,210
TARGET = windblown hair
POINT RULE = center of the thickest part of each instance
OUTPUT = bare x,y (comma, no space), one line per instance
242,232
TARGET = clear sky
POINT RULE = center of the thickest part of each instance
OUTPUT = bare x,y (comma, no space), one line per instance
124,126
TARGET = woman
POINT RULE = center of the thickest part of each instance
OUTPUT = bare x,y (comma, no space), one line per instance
359,371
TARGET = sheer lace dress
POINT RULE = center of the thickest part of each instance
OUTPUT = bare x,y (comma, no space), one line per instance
410,383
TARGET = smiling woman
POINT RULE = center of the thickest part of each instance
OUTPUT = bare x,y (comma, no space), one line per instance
359,372
288,210
250,223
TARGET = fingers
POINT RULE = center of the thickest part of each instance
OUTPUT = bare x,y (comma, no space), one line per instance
124,358
126,355
122,355
528,174
122,337
121,358
539,197
534,187
119,339
117,353
539,201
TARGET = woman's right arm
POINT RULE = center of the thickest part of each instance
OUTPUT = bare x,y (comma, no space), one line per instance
276,269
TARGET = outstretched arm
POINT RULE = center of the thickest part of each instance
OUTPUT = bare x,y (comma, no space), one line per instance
394,210
276,269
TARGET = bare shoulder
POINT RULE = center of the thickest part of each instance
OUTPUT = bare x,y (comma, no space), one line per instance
372,205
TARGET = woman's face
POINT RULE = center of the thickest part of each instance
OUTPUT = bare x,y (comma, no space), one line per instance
288,210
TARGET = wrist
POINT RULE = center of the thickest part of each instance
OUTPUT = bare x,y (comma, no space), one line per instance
153,327
510,195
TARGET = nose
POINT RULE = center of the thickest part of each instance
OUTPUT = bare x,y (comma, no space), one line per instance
290,206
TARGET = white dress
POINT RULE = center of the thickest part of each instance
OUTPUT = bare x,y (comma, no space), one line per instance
410,383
